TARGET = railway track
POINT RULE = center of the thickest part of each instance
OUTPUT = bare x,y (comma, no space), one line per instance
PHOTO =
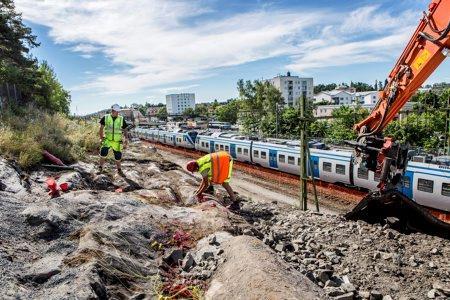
349,196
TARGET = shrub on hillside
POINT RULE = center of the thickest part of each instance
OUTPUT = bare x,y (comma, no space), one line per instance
25,135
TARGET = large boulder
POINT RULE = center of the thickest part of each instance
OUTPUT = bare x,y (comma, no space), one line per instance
251,271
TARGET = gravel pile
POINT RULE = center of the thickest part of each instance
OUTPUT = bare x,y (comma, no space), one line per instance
354,260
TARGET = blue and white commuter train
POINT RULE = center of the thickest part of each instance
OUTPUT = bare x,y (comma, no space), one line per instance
427,184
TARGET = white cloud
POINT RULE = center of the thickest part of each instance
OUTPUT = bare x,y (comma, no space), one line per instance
155,45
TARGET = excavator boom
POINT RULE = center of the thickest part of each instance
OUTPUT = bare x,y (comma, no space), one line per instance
427,48
425,51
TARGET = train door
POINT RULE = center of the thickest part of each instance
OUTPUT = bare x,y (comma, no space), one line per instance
407,186
315,166
273,159
233,150
211,146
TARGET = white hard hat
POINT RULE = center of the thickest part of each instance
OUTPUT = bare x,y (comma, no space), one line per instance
115,107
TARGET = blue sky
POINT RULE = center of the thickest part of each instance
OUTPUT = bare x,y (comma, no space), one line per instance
120,51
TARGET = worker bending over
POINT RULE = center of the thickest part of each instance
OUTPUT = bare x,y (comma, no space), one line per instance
215,168
112,129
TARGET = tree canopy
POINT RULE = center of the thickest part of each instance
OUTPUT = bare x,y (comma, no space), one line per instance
36,82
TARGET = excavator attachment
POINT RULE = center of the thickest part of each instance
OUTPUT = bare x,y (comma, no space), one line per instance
402,213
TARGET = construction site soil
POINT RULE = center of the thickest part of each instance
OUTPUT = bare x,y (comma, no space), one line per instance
144,236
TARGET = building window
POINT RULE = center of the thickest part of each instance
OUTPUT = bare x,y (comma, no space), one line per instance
263,155
445,189
281,158
239,150
326,166
245,151
256,153
363,173
425,185
291,160
340,169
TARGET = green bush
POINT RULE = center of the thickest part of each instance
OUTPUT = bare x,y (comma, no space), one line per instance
24,136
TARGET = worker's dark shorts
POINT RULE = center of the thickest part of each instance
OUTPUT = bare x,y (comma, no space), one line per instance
104,153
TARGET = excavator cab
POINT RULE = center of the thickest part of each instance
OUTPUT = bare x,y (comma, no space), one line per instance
425,51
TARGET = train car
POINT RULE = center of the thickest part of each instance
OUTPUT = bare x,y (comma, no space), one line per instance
280,157
185,139
237,146
428,185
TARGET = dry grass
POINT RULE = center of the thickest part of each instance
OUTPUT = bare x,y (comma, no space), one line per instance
25,135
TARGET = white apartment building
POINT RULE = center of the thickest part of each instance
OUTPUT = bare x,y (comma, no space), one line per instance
176,104
370,97
337,97
293,87
341,97
326,111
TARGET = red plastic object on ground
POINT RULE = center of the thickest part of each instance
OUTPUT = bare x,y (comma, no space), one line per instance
64,186
52,187
52,158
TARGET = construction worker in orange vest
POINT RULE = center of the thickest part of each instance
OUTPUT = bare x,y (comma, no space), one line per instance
215,168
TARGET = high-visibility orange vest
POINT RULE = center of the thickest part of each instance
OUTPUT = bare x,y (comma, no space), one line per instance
218,164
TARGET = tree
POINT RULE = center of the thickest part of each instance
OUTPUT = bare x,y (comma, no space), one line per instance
259,100
52,96
16,40
189,113
201,110
228,112
362,87
324,87
344,118
162,113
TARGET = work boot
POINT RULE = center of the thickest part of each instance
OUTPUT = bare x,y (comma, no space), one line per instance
234,206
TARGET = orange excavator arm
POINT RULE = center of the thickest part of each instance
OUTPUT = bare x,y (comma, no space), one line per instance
425,51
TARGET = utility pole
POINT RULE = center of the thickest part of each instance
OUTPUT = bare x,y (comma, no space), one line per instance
303,155
305,160
276,125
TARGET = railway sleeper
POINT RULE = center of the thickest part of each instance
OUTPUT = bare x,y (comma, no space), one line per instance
377,207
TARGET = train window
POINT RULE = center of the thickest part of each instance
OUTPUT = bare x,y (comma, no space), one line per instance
263,155
281,158
363,173
326,166
203,144
245,151
298,161
255,153
291,160
406,182
217,147
425,185
227,148
221,147
207,145
376,177
316,165
445,189
340,169
239,150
